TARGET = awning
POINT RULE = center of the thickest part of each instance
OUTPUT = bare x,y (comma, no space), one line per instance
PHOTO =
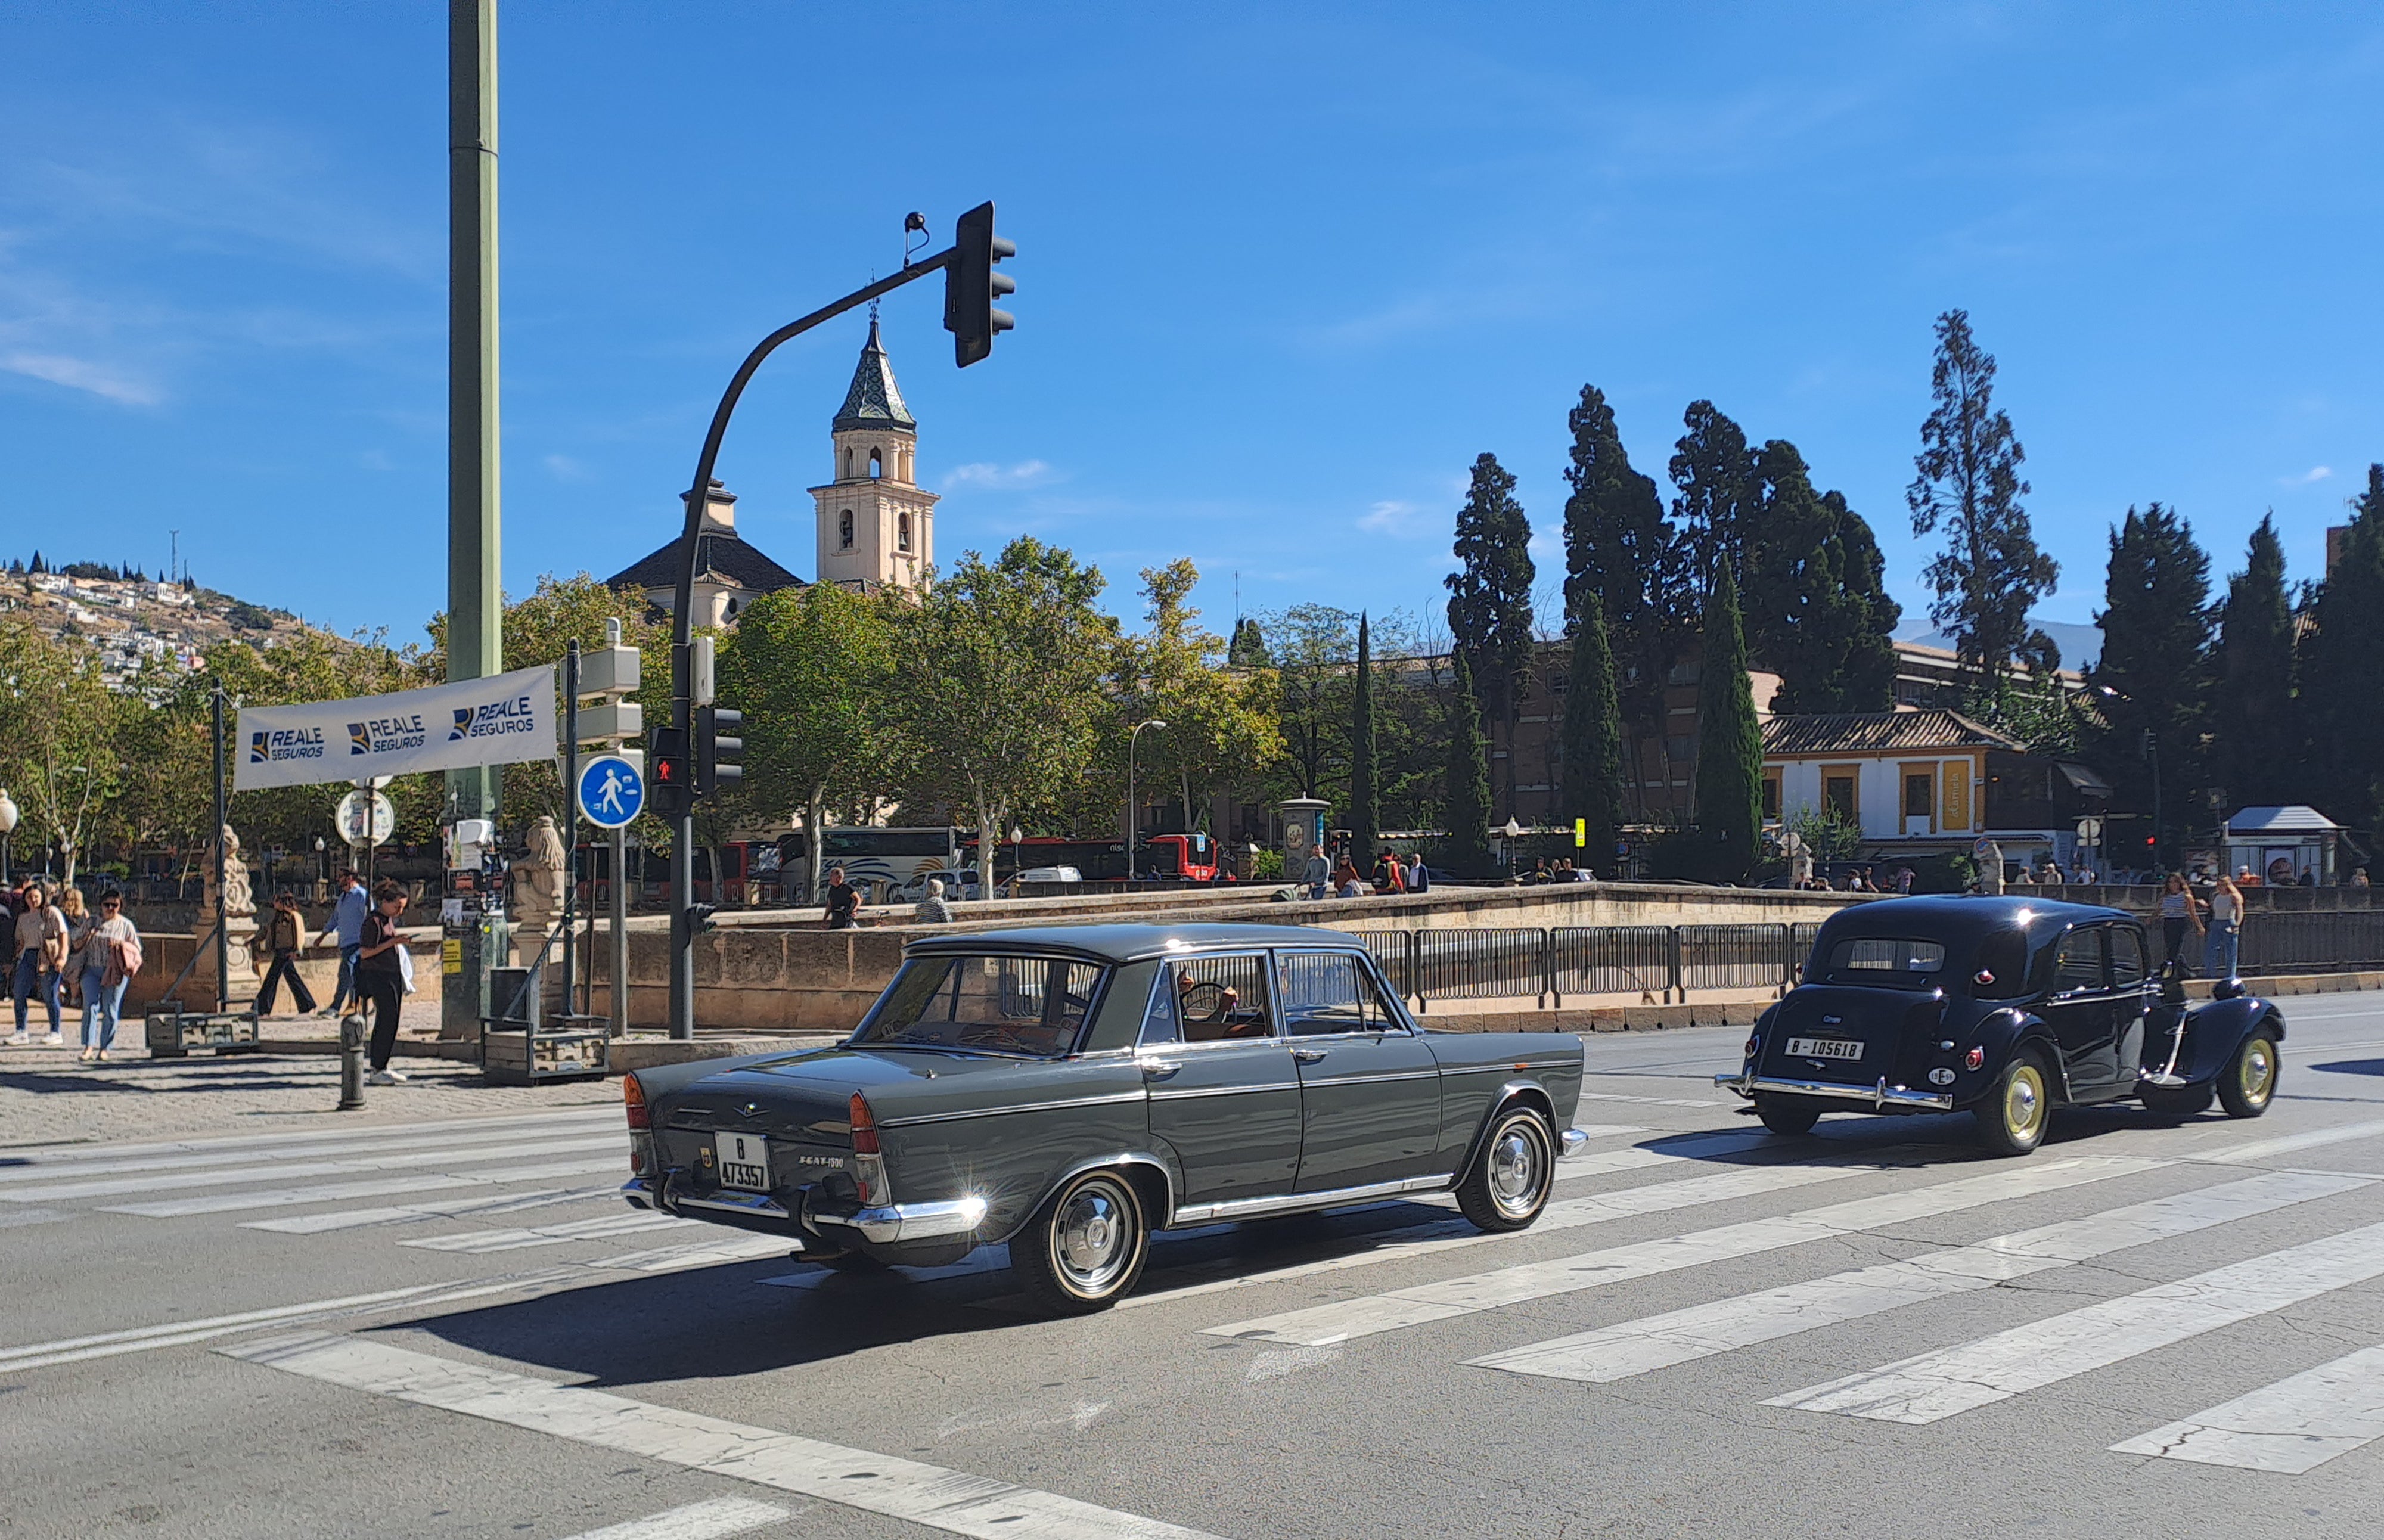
2082,780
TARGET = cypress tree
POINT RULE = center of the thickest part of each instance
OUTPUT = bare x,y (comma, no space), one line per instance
1490,594
1816,606
1716,509
1469,779
1622,554
1248,650
1593,738
1364,764
1730,743
1990,572
2255,739
2345,683
2155,655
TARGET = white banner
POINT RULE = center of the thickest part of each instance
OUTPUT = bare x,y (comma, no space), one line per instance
497,721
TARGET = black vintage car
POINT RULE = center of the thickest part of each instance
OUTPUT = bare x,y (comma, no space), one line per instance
1070,1091
2005,1008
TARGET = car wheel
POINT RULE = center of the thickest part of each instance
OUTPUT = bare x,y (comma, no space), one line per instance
2249,1082
2013,1113
2175,1101
1085,1248
1508,1183
1786,1117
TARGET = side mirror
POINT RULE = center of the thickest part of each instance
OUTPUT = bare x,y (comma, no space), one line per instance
2228,988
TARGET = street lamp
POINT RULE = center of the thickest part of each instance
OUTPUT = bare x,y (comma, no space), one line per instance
8,828
1513,831
1133,823
1017,866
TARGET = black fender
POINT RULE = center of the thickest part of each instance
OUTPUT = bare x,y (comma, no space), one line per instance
1529,1092
2214,1032
2004,1033
1153,1176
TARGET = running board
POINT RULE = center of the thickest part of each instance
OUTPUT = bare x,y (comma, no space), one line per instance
1303,1202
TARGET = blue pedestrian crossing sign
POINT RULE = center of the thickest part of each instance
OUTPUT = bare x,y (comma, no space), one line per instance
610,791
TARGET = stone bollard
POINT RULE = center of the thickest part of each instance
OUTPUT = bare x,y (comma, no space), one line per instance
352,1062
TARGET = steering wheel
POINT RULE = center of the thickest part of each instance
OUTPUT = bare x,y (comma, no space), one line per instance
1204,1002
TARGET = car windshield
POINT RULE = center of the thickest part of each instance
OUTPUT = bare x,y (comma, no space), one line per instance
1894,962
983,1002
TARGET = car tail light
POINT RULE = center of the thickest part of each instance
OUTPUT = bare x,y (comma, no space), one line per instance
633,1097
1753,1046
1973,1059
865,1127
868,1165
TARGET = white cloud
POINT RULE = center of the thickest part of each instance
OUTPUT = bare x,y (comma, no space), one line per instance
2316,473
82,374
1026,473
563,468
1403,521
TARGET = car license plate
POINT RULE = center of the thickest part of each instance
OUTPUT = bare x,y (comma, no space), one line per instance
744,1160
1824,1048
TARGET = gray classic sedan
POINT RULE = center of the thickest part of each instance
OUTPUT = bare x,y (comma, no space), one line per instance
1071,1089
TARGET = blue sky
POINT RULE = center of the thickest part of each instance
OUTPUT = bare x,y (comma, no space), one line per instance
1284,271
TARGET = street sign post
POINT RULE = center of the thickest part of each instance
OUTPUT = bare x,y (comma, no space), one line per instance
610,792
364,822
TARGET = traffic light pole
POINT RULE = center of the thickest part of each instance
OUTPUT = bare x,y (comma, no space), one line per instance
682,815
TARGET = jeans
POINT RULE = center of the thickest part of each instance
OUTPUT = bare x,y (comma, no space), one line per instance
383,992
102,1004
345,989
31,981
285,965
2173,933
2218,955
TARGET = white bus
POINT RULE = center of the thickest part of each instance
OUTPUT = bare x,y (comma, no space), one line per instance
874,859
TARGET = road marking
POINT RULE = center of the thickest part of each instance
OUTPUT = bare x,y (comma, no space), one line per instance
232,1202
1653,1342
1343,1319
66,1154
459,1144
1932,1386
929,1495
440,1208
707,1520
474,1242
116,1187
2260,1149
1650,1100
2289,1427
702,1253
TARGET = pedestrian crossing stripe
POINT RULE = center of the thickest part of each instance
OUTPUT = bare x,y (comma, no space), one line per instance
2293,1426
115,1187
234,1202
59,1165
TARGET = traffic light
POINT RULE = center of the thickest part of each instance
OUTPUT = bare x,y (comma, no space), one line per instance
971,286
719,749
671,781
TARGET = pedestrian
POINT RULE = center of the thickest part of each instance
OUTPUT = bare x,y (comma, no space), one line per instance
1419,876
380,976
347,925
1346,883
41,959
2226,929
843,910
1904,875
111,956
932,909
79,922
282,936
1317,876
1389,875
2177,910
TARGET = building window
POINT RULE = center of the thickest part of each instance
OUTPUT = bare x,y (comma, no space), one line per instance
902,531
877,464
1838,795
1771,797
844,530
1918,788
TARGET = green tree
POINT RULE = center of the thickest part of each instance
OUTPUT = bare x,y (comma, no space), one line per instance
1490,594
2255,730
2156,658
1001,666
812,670
57,744
1990,572
1623,553
1468,849
1221,723
1593,737
1365,813
1730,743
2345,675
1314,648
1816,608
1717,506
1248,649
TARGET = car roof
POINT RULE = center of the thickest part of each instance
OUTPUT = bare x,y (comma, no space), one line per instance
1947,917
1124,943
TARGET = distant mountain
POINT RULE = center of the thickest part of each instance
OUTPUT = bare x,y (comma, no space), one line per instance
2080,645
136,620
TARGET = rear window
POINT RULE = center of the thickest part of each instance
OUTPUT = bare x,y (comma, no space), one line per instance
991,1004
1898,962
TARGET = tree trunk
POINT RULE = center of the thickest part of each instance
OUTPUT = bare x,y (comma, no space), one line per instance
815,859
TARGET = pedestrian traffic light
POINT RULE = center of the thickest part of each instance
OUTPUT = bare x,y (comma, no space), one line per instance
971,286
719,749
671,783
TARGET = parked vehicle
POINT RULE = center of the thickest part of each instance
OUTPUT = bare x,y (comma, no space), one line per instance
1051,874
2005,1008
1070,1091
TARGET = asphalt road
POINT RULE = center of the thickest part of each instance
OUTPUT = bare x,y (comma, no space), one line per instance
401,1329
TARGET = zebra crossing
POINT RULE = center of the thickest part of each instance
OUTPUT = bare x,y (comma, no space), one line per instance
2291,1426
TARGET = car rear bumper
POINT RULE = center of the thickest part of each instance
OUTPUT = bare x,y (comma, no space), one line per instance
1878,1096
1573,1139
905,1222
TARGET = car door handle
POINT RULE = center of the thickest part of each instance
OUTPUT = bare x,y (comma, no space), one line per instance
1308,1055
1159,1069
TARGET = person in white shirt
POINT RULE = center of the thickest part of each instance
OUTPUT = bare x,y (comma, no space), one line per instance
2225,931
110,957
41,959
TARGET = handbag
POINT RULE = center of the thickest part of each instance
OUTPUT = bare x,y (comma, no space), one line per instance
405,967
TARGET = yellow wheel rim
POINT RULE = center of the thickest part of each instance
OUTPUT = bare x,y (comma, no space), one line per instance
2257,1075
2024,1101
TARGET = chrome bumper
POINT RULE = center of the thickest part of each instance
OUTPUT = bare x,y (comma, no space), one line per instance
1572,1139
1880,1095
903,1221
638,1193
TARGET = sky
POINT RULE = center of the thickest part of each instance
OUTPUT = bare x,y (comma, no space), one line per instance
1283,272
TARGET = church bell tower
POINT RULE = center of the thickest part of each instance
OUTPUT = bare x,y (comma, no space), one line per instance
877,526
